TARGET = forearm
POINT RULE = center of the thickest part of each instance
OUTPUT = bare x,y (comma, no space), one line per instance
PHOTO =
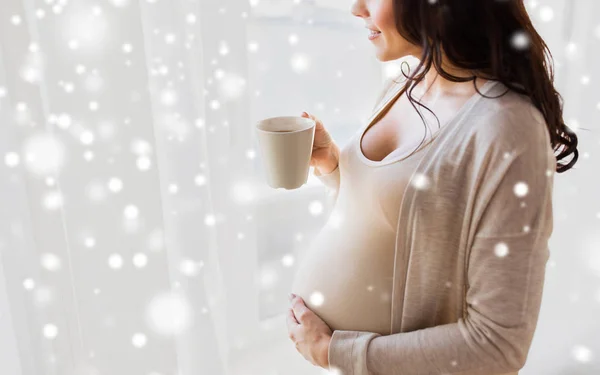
457,348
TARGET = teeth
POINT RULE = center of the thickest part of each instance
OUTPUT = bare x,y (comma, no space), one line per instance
375,32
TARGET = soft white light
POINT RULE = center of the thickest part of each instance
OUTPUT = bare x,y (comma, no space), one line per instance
28,284
143,163
243,193
315,208
131,212
63,121
50,331
546,13
53,200
210,220
316,298
501,249
16,20
232,86
90,242
421,182
11,159
87,137
115,184
141,147
139,340
200,180
300,62
140,260
189,268
169,314
168,97
520,40
190,18
520,189
44,154
115,261
582,353
51,262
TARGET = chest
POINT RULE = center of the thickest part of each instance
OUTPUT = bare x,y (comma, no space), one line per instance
401,130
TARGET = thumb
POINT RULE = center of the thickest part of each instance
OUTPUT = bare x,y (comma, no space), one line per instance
304,114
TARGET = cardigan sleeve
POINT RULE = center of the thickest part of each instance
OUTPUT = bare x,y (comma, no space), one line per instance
505,278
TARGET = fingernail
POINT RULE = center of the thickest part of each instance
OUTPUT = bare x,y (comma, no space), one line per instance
291,296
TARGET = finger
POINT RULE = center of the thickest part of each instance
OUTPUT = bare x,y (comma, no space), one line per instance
293,316
291,320
299,308
318,122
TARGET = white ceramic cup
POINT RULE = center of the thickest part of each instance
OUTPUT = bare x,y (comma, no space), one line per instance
285,144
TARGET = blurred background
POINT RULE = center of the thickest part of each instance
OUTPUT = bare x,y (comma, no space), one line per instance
138,235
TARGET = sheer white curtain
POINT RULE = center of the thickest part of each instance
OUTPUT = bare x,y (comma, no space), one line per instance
137,233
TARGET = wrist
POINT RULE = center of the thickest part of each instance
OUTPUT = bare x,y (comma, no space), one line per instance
325,352
332,161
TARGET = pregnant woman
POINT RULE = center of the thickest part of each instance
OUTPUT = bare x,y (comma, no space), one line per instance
433,258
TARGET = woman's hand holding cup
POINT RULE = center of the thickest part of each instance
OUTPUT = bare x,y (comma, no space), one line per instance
325,153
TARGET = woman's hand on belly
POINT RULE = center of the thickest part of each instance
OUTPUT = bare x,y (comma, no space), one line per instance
309,332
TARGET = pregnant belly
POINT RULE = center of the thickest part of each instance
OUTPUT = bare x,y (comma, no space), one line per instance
347,282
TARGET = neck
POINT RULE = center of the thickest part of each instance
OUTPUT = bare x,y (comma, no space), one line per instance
434,85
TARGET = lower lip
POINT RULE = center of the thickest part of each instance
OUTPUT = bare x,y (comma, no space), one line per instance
371,37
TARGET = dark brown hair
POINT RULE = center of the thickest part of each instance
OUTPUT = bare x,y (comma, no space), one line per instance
494,38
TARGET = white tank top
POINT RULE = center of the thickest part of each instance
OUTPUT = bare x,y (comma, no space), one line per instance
346,274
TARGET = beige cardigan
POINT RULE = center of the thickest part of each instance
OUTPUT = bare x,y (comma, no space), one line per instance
475,222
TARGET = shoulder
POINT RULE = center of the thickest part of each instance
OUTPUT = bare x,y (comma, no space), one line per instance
509,121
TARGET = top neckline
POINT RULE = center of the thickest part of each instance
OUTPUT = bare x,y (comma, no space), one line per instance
465,107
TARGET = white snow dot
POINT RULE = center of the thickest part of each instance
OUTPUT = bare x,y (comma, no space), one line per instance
89,242
169,314
87,137
115,261
546,13
200,180
501,249
143,163
50,331
50,262
139,340
315,208
582,353
140,260
188,267
316,298
520,40
28,284
209,220
190,18
520,189
131,212
115,184
420,181
11,159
